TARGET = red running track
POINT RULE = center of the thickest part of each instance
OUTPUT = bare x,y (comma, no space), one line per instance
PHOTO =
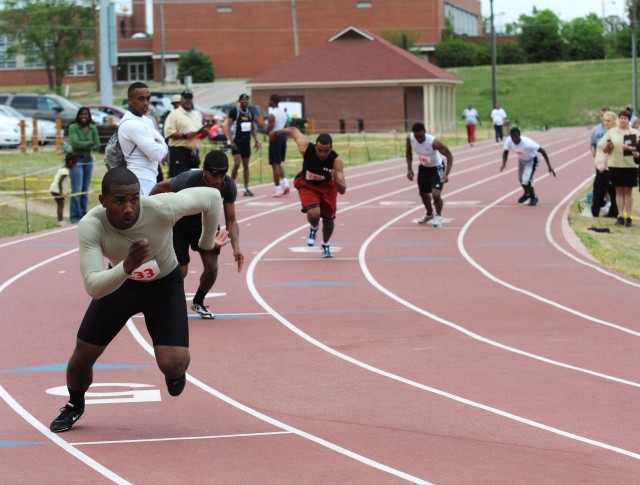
492,350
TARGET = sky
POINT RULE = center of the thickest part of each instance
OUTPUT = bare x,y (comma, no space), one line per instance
506,11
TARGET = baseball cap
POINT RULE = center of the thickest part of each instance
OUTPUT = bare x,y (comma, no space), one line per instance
216,162
175,98
186,94
243,96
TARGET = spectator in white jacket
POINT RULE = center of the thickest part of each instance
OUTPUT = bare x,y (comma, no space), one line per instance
142,145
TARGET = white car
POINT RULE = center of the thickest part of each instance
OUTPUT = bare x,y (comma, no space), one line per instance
9,132
46,128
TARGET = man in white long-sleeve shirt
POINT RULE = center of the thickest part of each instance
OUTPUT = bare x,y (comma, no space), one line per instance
135,234
142,145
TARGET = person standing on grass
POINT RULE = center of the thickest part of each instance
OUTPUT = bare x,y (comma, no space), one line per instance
239,127
318,183
602,187
527,151
277,120
432,171
134,234
59,187
142,145
623,172
471,119
84,140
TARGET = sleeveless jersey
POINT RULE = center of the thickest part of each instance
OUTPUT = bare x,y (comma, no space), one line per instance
279,118
425,152
314,169
242,124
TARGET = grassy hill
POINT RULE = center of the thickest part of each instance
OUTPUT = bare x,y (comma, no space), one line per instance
552,94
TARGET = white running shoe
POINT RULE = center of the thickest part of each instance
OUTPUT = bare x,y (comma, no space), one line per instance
437,220
311,238
425,218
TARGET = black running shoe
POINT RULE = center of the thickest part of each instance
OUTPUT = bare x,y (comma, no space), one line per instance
176,386
523,198
68,417
620,221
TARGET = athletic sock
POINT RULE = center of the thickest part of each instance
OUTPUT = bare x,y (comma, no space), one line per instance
199,297
76,398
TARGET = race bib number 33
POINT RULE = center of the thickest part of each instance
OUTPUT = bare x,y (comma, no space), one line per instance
146,271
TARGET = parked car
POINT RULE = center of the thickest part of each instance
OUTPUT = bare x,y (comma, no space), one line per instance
46,128
111,111
9,133
42,106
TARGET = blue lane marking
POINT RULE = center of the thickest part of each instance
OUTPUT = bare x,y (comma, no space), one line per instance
58,367
316,283
416,243
417,259
21,443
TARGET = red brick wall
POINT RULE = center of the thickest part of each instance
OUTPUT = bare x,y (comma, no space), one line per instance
380,108
257,36
27,77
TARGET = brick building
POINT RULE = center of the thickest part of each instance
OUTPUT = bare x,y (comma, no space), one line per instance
342,90
246,37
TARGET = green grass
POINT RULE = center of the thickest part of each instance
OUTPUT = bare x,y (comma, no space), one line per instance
617,249
552,94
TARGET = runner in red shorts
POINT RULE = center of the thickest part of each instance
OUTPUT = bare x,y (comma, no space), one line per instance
318,183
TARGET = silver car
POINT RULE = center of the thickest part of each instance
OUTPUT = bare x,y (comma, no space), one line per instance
46,129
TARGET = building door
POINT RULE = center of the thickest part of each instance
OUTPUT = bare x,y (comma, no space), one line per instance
137,71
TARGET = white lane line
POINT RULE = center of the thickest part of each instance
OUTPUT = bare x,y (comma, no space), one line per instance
409,382
182,438
279,424
36,236
59,441
552,215
535,296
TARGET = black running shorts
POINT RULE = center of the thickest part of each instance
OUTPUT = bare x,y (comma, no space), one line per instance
161,302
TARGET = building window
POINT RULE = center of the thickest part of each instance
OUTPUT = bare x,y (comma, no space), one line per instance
81,68
224,9
463,22
364,5
6,62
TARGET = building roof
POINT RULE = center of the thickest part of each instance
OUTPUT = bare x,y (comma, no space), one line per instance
353,56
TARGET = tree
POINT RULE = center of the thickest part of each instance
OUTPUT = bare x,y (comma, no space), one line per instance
51,32
196,64
540,36
455,53
584,38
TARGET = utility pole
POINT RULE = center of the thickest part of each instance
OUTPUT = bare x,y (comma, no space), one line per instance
96,39
106,56
494,58
633,16
163,64
294,20
604,31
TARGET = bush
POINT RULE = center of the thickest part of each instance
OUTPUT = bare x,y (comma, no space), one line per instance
455,53
196,64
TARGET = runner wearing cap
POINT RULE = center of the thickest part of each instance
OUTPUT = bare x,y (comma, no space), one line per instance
186,232
183,129
239,127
